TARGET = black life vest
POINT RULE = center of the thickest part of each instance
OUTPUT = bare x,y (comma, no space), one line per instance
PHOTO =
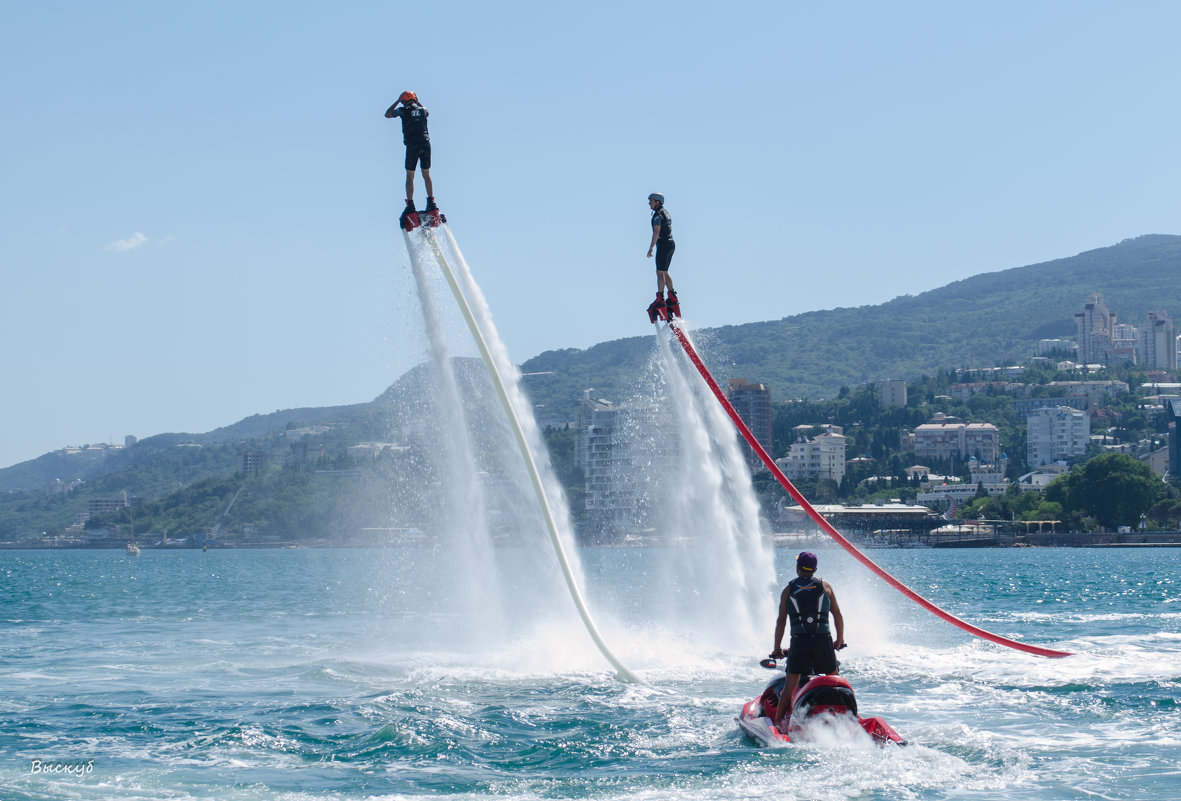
808,607
662,218
414,130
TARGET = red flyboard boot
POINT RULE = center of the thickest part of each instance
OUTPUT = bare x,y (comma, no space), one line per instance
409,219
657,310
431,216
673,305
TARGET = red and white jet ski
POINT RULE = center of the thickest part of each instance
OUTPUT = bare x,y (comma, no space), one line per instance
819,700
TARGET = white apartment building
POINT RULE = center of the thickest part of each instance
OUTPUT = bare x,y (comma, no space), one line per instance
1124,342
822,456
1049,347
1057,433
941,440
1158,342
1096,392
1095,325
891,392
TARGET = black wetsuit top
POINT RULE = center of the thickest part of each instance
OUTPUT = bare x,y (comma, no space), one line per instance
807,607
414,130
662,218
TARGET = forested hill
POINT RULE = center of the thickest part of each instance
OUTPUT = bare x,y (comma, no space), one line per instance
983,321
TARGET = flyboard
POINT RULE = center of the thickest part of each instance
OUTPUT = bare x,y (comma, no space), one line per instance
426,223
677,327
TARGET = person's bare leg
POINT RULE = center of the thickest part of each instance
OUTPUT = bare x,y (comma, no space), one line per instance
783,711
430,188
410,184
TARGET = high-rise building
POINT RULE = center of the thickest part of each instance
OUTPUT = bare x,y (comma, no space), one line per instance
612,441
1096,332
1158,342
1124,342
753,404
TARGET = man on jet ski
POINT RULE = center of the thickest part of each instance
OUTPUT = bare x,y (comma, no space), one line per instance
807,601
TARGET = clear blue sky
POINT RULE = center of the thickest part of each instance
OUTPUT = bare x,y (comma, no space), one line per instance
198,204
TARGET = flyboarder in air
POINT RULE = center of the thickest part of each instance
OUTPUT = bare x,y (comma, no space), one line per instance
663,244
418,151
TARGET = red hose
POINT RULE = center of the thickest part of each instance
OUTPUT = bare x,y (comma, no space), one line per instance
832,532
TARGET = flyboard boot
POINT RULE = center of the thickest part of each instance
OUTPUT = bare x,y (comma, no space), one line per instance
431,216
409,219
657,310
673,306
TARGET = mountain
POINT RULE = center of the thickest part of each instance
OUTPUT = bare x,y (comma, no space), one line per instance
983,321
281,472
986,320
90,461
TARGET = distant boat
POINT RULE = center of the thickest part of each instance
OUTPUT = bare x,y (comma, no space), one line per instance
132,549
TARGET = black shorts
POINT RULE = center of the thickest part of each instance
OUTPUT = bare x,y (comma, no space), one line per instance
664,254
418,153
811,656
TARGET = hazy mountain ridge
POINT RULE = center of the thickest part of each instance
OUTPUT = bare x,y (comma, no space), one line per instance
988,319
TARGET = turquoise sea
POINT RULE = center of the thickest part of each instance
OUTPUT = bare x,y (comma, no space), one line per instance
340,674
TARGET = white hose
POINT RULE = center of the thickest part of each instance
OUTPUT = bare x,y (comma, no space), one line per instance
534,475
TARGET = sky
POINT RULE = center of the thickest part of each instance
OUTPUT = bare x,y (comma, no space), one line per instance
198,202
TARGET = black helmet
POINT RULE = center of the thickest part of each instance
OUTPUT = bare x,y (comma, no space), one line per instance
659,198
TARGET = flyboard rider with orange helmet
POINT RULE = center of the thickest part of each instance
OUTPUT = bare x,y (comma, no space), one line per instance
418,150
663,244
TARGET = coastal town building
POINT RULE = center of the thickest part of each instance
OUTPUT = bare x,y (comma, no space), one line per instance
250,462
963,391
1088,396
1095,326
1056,347
1158,342
862,519
1124,343
369,451
99,505
812,458
946,438
1056,434
891,392
753,404
1097,393
608,447
802,432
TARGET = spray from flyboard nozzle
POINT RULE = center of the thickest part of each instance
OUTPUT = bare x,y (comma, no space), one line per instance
465,508
709,500
497,372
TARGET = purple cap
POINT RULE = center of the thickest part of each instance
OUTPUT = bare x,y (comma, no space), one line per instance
806,561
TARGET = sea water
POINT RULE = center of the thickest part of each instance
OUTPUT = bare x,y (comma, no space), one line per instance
336,674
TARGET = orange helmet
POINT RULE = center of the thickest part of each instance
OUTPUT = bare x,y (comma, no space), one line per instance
407,96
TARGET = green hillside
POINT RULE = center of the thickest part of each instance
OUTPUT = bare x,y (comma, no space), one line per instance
986,320
190,482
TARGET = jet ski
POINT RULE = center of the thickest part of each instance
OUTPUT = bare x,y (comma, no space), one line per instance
821,700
